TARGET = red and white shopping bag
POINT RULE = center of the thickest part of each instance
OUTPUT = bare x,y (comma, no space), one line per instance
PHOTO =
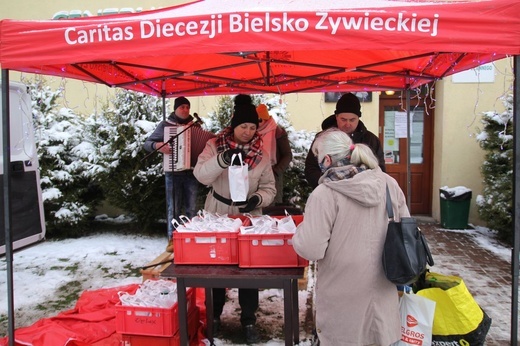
416,320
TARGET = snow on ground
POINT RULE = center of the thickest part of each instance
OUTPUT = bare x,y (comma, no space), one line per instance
113,259
105,260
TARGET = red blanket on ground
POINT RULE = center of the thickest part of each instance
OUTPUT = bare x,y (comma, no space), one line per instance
90,323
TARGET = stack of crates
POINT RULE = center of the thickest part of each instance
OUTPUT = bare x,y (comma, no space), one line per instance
146,326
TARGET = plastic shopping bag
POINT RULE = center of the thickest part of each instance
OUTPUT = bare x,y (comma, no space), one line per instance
287,224
459,320
416,320
238,180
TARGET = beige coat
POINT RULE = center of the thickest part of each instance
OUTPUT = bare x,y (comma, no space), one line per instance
344,229
209,171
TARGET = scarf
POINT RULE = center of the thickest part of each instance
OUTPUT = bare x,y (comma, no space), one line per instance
341,170
253,149
267,129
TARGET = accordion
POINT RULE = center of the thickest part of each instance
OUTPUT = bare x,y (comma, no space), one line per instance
180,158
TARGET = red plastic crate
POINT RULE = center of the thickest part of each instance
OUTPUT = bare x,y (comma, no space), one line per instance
142,340
206,247
269,250
151,321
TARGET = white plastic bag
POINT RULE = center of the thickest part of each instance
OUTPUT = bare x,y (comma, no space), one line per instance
286,224
238,180
416,320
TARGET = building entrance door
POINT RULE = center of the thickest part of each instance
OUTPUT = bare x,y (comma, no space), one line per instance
393,136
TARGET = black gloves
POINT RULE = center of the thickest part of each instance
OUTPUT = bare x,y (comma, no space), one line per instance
228,154
251,204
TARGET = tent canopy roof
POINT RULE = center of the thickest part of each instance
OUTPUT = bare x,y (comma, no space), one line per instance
217,47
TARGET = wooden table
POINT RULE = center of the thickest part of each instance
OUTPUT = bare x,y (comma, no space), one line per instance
231,276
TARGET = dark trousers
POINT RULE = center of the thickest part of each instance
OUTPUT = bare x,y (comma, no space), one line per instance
181,190
247,298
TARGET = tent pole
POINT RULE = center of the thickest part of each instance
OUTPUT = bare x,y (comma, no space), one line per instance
163,95
163,108
408,171
6,133
516,201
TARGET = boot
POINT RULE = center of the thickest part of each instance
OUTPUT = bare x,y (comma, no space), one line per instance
251,333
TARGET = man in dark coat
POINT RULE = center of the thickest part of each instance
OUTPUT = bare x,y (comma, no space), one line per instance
346,118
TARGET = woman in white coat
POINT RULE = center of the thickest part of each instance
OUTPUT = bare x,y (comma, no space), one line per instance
344,230
212,169
212,165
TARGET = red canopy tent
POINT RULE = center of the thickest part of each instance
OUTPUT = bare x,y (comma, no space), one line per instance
225,47
217,47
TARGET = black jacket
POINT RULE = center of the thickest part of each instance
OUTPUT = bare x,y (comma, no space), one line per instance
360,135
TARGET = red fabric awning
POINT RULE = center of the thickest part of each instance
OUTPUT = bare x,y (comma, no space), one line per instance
217,47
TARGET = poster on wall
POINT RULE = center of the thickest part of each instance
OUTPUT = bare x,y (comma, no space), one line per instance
363,96
481,74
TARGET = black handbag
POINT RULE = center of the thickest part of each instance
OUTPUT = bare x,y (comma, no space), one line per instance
406,252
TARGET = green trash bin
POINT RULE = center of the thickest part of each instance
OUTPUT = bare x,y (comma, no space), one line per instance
455,207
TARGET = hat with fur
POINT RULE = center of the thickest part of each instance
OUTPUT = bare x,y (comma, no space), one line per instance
348,103
244,113
180,101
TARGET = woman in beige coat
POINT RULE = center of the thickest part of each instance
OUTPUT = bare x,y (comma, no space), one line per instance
344,230
213,162
212,169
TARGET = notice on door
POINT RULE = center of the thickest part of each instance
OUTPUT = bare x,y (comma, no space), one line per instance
401,126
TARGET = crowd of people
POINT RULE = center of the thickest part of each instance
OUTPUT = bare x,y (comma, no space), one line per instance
345,218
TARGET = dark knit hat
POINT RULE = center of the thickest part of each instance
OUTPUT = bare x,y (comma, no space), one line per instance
348,103
179,101
244,113
242,99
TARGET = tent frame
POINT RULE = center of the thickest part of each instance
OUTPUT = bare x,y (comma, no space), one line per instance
269,79
516,198
389,49
516,203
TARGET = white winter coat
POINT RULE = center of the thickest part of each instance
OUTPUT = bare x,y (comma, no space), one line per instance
209,172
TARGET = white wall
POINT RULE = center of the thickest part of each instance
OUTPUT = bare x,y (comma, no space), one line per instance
457,155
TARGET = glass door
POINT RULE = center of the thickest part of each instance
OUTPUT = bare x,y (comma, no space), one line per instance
394,137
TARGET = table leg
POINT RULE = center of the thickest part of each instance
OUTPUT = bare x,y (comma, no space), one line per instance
287,311
182,311
295,311
209,314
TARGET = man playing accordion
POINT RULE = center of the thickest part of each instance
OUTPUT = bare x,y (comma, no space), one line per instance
181,185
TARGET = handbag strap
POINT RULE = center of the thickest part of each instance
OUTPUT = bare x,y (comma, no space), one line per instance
389,208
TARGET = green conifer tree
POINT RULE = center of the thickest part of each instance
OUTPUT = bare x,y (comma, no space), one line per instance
495,205
70,193
131,180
